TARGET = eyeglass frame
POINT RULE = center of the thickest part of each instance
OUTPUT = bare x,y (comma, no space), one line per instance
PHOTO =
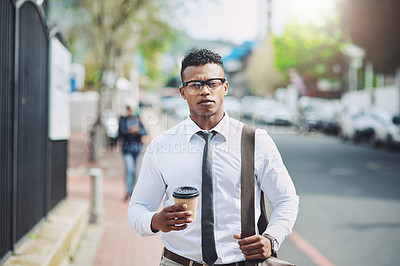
203,82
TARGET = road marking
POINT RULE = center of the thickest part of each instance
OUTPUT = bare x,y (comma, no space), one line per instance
387,167
342,171
309,250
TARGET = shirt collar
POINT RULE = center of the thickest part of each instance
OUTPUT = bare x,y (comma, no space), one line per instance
222,128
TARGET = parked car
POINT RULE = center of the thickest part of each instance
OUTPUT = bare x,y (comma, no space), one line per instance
181,110
272,112
247,105
170,104
388,129
374,125
232,106
320,114
355,125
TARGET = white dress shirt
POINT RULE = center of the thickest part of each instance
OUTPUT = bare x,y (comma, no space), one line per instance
174,159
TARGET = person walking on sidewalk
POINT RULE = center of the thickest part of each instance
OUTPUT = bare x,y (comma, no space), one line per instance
176,159
131,131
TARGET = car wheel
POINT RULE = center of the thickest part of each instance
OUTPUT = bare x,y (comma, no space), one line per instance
389,142
342,137
356,137
373,140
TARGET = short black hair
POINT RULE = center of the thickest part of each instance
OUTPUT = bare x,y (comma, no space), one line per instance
198,57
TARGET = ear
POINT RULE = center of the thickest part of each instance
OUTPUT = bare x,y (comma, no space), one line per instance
226,85
182,91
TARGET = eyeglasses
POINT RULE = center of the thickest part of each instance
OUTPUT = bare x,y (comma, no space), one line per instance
195,86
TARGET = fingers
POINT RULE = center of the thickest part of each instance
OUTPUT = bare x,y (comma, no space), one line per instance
178,228
178,218
251,239
176,207
178,214
173,218
254,247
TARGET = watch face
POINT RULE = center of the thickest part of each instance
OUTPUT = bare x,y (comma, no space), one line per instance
275,245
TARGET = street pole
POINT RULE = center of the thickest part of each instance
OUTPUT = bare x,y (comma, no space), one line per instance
398,87
369,81
96,175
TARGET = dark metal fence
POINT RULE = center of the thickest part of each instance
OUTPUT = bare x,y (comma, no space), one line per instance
31,110
30,183
58,172
7,25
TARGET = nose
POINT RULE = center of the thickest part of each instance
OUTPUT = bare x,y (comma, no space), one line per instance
205,91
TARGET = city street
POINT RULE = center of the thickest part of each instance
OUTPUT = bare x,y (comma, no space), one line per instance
349,199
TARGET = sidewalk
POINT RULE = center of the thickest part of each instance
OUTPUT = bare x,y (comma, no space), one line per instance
112,241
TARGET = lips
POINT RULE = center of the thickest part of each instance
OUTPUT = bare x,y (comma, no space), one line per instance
205,101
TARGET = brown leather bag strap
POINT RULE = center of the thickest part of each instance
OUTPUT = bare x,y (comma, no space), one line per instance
247,186
247,181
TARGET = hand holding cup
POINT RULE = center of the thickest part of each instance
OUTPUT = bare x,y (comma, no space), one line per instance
176,217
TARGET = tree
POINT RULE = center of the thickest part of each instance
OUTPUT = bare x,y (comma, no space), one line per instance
315,52
106,34
262,75
374,26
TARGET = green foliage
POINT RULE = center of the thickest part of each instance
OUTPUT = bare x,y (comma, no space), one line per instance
104,35
309,49
92,78
156,37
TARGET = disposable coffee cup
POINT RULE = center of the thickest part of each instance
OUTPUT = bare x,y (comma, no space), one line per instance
187,195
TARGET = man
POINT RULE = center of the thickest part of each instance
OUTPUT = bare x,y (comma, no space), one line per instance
175,158
131,131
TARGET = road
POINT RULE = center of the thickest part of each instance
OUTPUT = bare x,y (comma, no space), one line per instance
349,199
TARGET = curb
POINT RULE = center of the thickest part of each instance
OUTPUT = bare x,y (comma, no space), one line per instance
53,241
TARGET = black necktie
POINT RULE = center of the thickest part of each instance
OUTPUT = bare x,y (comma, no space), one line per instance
207,210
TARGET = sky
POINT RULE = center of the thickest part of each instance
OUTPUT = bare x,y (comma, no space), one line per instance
238,20
231,20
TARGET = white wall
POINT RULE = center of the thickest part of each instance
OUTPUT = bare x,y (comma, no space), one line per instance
60,87
83,110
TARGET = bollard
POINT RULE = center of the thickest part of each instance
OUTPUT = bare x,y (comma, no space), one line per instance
96,175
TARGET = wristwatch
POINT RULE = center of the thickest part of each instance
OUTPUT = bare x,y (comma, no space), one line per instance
274,243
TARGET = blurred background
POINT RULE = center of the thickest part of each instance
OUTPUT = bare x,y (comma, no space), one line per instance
321,76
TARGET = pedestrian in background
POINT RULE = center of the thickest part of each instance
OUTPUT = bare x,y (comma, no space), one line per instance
131,132
176,159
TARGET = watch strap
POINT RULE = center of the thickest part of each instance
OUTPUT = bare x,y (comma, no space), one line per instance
273,241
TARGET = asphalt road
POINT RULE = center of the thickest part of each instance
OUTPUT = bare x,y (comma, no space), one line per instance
349,199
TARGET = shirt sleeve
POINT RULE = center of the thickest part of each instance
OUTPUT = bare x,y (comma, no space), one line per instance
276,183
147,195
142,131
121,127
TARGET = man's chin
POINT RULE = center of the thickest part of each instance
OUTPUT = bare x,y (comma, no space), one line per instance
205,113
